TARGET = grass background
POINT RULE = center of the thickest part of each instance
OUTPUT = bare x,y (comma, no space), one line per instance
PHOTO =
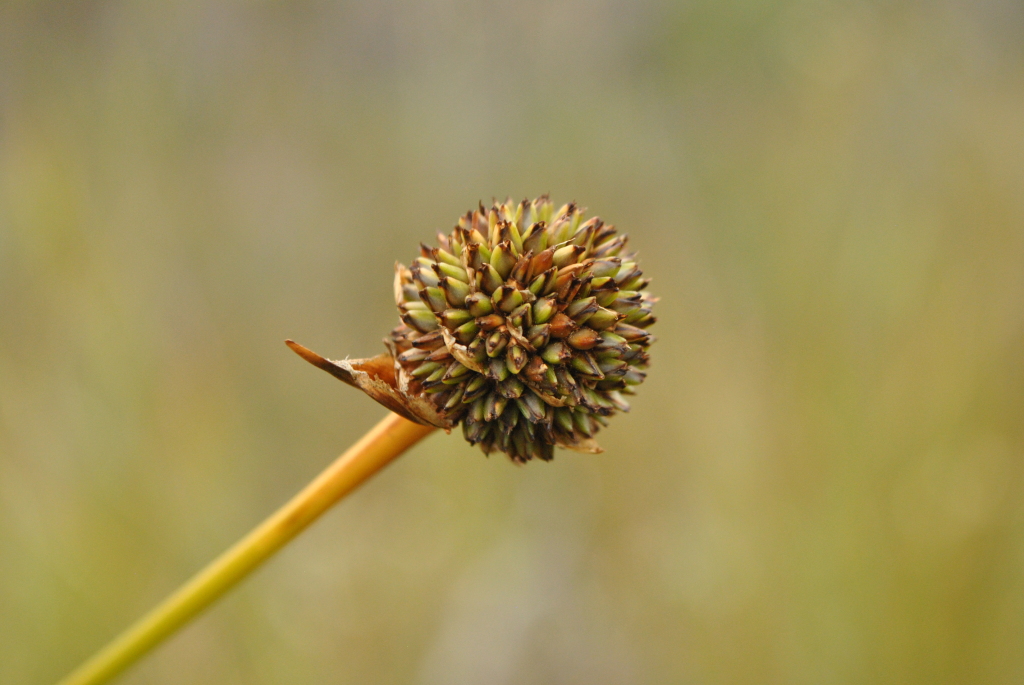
820,482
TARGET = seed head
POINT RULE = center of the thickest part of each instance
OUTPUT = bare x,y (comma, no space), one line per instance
525,324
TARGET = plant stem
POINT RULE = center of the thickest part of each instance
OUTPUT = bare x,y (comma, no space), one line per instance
387,440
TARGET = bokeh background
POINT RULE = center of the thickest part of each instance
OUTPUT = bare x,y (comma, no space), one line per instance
820,482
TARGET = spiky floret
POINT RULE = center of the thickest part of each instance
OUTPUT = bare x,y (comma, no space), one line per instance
526,324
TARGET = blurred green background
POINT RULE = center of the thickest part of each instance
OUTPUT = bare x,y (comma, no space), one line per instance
819,483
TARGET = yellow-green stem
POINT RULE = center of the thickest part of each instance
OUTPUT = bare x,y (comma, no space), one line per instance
388,439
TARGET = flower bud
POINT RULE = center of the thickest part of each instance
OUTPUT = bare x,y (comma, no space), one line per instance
516,358
434,299
479,304
556,353
544,309
502,260
453,318
455,291
564,256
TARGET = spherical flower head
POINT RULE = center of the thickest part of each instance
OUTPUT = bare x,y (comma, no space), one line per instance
526,324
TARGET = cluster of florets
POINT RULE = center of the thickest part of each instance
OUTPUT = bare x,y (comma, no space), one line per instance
525,323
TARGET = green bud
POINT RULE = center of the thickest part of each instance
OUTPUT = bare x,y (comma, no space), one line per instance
516,358
456,399
567,385
455,291
627,272
596,402
605,268
581,307
426,369
455,371
509,299
485,255
585,233
538,335
537,239
497,370
638,282
425,277
436,375
409,292
641,318
475,388
466,332
477,410
555,353
602,319
422,320
563,418
605,297
490,279
632,334
477,350
612,367
434,298
479,304
544,309
586,365
494,406
564,256
540,284
531,406
518,316
453,318
492,223
511,387
456,272
496,343
503,260
581,422
445,257
610,338
626,301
